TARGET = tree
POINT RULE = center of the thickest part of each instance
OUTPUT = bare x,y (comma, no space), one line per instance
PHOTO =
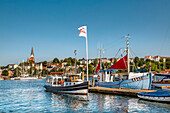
17,72
136,60
115,60
44,63
53,70
78,62
95,62
90,68
168,65
35,72
44,72
148,60
56,60
5,73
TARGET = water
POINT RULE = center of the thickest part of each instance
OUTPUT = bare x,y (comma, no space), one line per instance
29,96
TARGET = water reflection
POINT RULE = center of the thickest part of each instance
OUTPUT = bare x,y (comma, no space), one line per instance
154,104
29,96
74,102
109,103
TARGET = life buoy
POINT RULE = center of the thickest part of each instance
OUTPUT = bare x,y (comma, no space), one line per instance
63,82
98,77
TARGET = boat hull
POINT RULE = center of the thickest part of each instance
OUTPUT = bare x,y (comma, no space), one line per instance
78,89
161,96
160,99
159,85
143,82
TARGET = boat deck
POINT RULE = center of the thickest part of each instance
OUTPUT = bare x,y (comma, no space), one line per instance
118,91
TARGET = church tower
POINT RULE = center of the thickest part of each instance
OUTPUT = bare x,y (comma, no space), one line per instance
32,53
31,59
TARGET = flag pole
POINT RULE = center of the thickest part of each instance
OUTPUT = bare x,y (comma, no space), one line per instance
87,57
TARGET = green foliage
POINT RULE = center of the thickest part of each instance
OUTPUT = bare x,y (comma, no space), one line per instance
78,62
36,72
70,61
115,60
79,70
161,60
95,63
31,61
5,73
23,64
44,63
168,64
53,70
17,72
136,61
107,64
56,60
44,72
148,60
90,68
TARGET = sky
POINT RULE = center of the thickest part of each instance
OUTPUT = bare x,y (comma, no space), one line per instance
51,28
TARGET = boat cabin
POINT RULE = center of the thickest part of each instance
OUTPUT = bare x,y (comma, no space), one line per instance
110,76
63,80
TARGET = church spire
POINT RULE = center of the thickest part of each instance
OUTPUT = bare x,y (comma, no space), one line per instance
32,52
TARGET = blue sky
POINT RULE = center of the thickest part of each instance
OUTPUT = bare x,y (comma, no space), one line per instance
51,27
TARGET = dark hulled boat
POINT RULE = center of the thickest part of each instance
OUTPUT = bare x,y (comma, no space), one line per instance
67,85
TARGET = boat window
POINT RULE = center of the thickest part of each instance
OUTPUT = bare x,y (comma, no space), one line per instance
66,84
166,81
50,81
54,82
74,83
70,84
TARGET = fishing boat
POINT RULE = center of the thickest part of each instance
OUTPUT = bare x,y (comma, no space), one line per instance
166,88
108,78
164,81
67,85
161,96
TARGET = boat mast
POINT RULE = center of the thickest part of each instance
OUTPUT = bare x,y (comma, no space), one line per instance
100,56
128,67
75,62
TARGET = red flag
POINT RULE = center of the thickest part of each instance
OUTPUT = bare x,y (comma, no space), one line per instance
98,67
121,64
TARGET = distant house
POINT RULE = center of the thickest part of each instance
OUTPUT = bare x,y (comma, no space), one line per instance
156,58
13,66
1,71
105,60
39,66
132,60
149,57
90,61
83,61
167,71
164,58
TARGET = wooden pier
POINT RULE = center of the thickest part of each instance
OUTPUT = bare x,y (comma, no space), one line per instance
118,91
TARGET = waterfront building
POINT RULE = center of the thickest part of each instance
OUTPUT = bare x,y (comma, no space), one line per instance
13,66
149,57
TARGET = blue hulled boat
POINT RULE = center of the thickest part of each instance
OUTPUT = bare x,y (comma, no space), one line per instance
108,78
161,96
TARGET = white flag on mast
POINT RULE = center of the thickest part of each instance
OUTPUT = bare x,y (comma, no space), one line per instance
83,31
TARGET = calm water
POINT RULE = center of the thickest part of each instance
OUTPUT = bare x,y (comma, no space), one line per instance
29,96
